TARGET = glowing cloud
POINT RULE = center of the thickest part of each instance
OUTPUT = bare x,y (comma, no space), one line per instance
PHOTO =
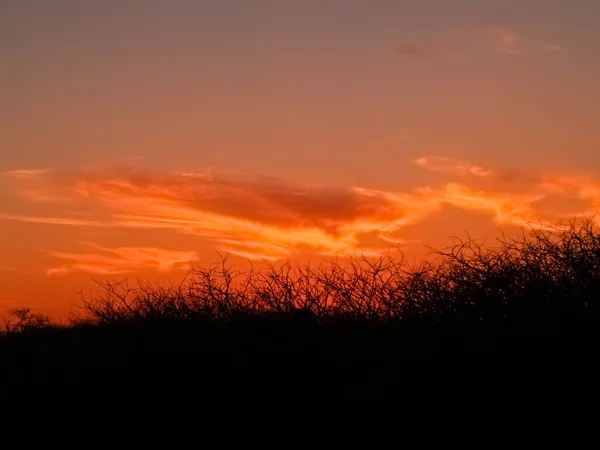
25,172
442,164
121,260
53,220
263,218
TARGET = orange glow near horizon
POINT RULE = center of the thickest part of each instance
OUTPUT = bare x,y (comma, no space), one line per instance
260,219
140,138
265,219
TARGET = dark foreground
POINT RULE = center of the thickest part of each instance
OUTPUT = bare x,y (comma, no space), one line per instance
275,355
526,313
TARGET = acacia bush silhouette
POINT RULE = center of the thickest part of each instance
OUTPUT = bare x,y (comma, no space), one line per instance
536,294
545,276
26,320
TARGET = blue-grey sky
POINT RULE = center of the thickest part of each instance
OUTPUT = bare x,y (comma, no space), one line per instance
264,85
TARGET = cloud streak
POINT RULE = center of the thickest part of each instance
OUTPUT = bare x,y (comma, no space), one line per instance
506,41
53,220
553,48
453,166
25,173
263,218
99,260
471,41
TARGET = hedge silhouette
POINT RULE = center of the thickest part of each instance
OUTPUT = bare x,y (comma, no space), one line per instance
530,298
545,275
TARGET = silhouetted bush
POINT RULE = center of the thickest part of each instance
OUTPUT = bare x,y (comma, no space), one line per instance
25,321
527,298
545,276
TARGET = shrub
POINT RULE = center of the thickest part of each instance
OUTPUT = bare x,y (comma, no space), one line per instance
546,275
25,321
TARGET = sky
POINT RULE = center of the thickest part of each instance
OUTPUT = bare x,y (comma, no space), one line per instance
139,137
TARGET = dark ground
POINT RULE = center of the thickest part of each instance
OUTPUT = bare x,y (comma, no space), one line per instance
275,356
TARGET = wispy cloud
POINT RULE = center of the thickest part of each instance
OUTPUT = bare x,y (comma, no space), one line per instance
453,166
21,173
505,208
469,42
100,260
553,48
422,49
272,219
506,41
53,220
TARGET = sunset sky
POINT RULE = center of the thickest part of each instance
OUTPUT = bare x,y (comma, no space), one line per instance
140,136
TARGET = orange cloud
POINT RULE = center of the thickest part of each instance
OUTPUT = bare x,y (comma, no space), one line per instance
53,220
121,260
506,209
577,186
26,172
270,219
442,164
272,214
